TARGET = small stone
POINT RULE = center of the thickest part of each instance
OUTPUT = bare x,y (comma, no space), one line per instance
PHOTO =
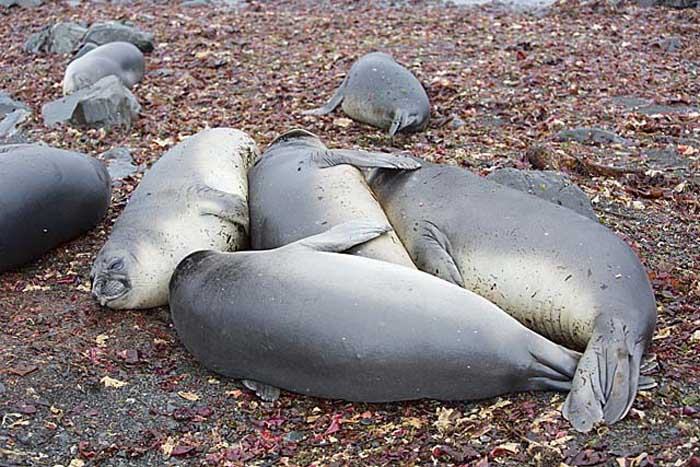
590,135
8,104
22,3
457,123
119,163
9,131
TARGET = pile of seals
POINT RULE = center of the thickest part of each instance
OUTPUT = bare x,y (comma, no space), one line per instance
349,274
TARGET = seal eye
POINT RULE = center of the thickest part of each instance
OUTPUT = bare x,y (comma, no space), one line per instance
116,265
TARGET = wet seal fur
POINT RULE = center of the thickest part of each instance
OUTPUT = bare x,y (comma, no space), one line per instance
299,188
48,196
559,273
382,93
193,198
122,59
353,328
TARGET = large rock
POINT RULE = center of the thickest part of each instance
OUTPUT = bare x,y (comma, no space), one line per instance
9,127
113,31
8,104
105,104
590,135
60,38
549,185
671,3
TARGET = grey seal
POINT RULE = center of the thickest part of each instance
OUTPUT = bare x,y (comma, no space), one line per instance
311,321
193,198
559,273
122,59
382,93
47,197
299,187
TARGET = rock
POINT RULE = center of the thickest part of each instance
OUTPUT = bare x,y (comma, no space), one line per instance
195,3
105,104
9,131
113,31
549,185
119,163
457,123
680,4
23,3
669,44
61,38
592,135
8,104
87,47
660,109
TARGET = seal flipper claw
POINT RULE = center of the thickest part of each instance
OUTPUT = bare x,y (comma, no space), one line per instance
364,159
263,391
606,379
344,236
397,122
434,255
227,206
331,104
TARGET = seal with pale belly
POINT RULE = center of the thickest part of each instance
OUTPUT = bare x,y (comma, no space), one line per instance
382,93
306,319
559,273
299,187
122,59
48,196
193,198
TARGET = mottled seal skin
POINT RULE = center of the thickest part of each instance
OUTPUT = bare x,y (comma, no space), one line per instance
559,273
311,321
193,198
47,197
382,93
121,59
299,188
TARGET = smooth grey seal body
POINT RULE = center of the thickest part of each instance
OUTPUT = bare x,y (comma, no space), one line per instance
47,197
299,187
559,273
121,59
382,93
193,198
354,328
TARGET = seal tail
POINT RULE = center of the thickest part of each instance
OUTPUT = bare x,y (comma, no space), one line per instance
607,378
331,104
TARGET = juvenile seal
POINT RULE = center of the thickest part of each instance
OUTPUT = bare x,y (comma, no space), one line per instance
122,59
193,198
47,197
382,93
299,187
354,328
559,273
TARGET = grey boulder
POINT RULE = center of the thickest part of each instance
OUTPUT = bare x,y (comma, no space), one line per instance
549,185
64,37
105,104
24,3
8,104
113,31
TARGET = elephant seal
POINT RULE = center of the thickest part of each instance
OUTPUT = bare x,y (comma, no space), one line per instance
122,59
47,197
382,93
299,188
193,198
559,273
311,321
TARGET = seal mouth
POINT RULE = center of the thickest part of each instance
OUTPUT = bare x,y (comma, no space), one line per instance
109,290
293,134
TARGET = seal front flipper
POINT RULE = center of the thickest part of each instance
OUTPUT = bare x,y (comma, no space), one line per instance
331,104
433,254
607,378
344,236
263,391
230,207
364,159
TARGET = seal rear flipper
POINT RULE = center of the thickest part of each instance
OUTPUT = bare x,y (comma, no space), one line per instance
344,236
606,379
433,254
263,391
227,206
364,159
331,104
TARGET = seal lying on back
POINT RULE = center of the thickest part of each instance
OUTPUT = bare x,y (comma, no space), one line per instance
299,187
122,59
193,198
382,93
559,273
47,197
311,321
